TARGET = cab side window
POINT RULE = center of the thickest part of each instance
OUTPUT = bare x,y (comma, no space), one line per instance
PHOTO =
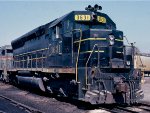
57,31
53,33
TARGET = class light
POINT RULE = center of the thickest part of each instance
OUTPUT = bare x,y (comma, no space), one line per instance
128,63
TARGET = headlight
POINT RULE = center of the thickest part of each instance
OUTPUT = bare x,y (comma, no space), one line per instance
128,63
111,39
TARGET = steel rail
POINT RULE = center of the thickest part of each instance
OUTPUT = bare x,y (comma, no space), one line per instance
28,108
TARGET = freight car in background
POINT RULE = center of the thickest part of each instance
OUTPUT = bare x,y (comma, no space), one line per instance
80,55
6,61
142,61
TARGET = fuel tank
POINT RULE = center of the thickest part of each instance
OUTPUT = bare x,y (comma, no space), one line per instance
26,78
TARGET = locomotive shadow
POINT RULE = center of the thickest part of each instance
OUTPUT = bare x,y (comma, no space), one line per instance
87,106
78,103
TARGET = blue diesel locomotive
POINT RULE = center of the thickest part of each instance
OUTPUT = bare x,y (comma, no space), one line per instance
80,55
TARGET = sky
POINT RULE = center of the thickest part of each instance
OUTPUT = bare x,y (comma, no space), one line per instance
19,17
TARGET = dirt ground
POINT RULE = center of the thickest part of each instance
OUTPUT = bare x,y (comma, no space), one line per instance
46,104
146,89
50,104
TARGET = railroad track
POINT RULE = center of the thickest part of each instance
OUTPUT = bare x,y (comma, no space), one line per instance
140,108
21,106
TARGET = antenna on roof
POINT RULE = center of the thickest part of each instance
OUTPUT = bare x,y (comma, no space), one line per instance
93,9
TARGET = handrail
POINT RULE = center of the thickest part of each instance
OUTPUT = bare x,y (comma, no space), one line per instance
86,80
77,60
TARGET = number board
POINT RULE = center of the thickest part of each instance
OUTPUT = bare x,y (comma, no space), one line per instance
82,17
101,19
88,18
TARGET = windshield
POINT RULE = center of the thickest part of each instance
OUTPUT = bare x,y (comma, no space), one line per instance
90,25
